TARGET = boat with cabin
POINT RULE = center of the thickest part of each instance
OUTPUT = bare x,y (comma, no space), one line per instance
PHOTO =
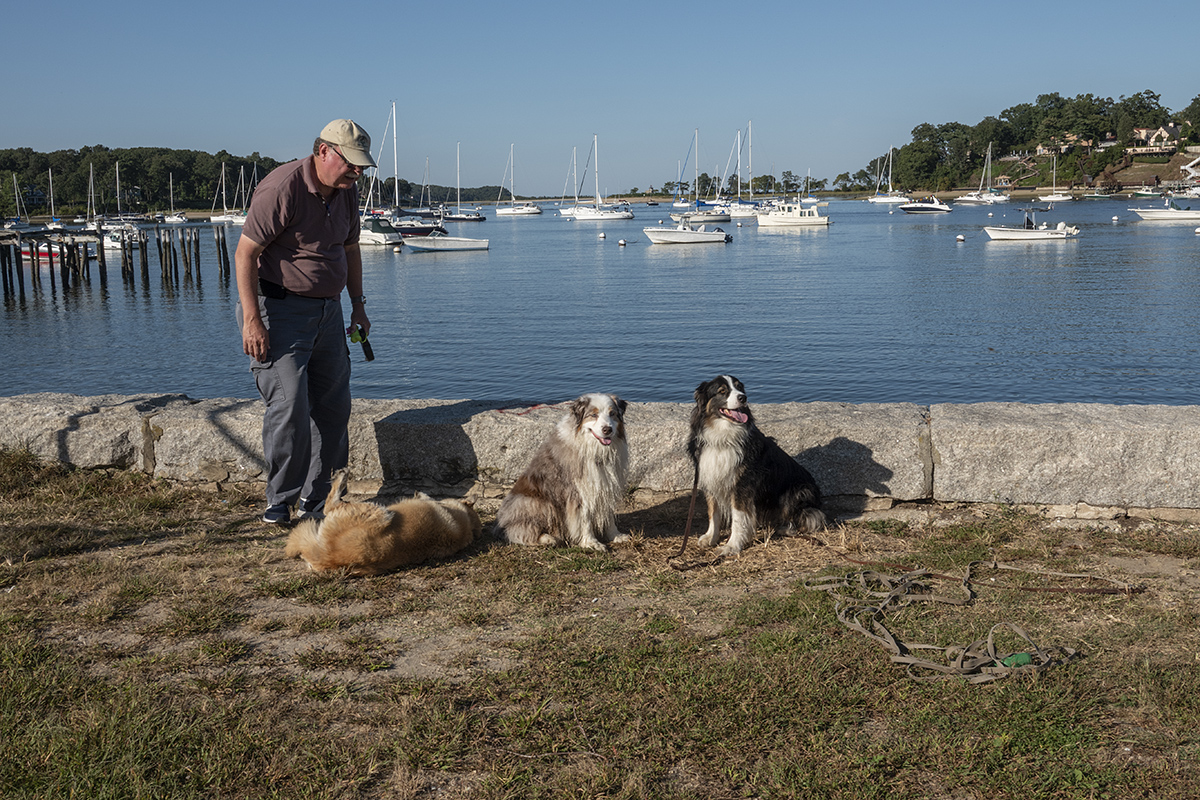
793,215
927,205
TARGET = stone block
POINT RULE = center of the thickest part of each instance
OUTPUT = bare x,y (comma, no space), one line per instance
102,431
1064,454
199,440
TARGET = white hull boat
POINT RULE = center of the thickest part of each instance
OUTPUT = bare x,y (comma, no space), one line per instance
514,209
1030,231
378,231
1170,211
522,210
1055,195
891,196
930,205
438,242
685,233
793,215
702,216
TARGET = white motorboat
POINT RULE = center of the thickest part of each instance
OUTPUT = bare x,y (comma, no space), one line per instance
685,233
1170,211
514,209
1030,230
375,230
930,205
792,215
440,242
1055,195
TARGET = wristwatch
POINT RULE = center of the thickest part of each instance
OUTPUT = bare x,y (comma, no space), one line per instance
362,298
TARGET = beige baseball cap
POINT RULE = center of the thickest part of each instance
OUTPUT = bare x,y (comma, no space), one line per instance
353,142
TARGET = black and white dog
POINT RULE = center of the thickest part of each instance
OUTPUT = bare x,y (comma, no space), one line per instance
747,478
571,490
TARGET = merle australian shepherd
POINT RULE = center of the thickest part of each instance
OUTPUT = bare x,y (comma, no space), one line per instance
571,490
747,478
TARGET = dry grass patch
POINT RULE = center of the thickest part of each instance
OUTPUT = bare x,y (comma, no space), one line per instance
154,641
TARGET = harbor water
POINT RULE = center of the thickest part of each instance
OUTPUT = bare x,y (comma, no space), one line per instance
878,307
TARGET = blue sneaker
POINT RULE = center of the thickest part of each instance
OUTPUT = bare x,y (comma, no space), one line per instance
278,514
311,509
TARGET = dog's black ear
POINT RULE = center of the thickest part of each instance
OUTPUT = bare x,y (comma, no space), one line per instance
702,392
621,405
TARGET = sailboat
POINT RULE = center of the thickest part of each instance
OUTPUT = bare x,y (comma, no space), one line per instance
18,224
740,208
459,215
174,217
891,196
233,217
1055,195
601,211
572,178
514,209
985,195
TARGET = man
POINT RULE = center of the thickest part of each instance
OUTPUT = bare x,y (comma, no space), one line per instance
299,249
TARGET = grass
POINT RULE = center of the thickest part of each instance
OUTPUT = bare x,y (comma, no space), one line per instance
154,642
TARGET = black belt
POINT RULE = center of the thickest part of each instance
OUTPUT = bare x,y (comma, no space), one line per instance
272,290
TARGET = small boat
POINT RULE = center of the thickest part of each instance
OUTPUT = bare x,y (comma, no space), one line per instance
1055,195
441,242
458,215
1030,231
1170,211
929,205
685,233
891,195
416,227
377,231
792,215
514,209
600,210
1146,192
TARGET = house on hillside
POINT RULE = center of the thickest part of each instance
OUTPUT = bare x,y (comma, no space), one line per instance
1163,140
1061,144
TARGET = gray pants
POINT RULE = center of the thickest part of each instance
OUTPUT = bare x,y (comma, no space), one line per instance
306,385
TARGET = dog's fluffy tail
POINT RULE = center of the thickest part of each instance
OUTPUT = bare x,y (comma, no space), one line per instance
305,541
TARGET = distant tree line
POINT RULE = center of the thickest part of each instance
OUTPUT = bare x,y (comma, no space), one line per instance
150,176
950,155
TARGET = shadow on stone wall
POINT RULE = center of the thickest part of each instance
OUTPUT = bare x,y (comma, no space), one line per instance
428,449
847,473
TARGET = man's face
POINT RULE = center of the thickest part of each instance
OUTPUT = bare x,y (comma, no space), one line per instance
334,170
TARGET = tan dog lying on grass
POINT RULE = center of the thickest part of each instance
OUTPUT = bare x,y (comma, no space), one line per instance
368,538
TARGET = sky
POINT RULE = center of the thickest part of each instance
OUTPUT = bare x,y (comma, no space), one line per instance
824,87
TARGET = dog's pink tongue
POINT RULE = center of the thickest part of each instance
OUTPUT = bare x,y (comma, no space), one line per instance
601,439
736,416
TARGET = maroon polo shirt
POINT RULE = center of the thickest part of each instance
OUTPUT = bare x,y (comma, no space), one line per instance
304,237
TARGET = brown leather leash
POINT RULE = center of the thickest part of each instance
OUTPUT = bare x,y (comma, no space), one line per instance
687,530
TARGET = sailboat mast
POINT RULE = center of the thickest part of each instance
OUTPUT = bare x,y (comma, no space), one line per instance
750,154
118,189
50,173
395,163
739,165
596,150
696,169
458,175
